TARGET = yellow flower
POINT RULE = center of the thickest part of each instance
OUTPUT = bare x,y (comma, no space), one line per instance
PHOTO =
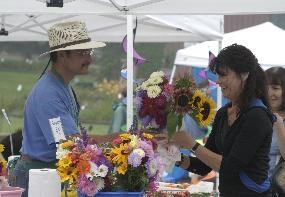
197,99
64,162
147,135
207,111
67,174
67,144
134,140
72,193
125,136
120,158
122,169
120,154
3,163
2,148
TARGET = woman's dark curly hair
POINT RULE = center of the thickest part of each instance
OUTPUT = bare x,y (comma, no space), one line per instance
241,60
276,76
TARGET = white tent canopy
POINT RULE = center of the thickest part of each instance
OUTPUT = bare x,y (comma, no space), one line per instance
266,41
146,7
162,28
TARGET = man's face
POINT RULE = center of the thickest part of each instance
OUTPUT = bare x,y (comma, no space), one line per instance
76,62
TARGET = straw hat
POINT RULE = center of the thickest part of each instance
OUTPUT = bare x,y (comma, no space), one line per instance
70,36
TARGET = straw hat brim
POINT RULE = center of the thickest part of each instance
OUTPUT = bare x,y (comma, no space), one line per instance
86,45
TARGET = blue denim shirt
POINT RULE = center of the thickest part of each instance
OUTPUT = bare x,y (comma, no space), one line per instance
49,98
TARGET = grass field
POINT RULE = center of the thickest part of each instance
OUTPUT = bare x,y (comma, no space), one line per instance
99,106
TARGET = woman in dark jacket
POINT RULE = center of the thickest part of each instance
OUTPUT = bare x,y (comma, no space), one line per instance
239,143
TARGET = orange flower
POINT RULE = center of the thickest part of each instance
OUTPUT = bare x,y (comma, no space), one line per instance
83,167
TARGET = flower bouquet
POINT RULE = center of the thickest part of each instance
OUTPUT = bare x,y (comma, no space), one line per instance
82,165
135,163
187,99
152,101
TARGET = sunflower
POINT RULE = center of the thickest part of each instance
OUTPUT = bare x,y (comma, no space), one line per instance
125,136
182,98
147,136
206,111
121,154
67,174
196,99
182,94
67,144
65,162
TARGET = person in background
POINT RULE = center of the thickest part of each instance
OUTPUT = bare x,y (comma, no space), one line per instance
239,143
53,99
17,143
119,120
276,91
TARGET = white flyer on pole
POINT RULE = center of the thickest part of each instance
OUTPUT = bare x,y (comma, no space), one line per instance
57,129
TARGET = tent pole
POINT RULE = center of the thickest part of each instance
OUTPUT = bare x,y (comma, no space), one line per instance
172,74
130,70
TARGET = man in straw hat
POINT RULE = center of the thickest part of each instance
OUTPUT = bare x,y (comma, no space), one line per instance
51,110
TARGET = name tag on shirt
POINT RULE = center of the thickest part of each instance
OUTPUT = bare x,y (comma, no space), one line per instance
57,129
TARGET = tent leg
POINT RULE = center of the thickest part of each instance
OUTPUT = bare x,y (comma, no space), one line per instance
130,70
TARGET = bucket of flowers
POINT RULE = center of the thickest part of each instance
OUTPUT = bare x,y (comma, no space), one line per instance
82,166
5,189
136,166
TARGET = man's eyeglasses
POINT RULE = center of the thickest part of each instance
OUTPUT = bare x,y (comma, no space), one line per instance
85,52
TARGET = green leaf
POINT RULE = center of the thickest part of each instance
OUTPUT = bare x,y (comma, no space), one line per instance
172,122
180,118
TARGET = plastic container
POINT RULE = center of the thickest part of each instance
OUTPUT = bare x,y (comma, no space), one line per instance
11,192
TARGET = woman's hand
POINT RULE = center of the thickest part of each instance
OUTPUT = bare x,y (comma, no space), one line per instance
182,139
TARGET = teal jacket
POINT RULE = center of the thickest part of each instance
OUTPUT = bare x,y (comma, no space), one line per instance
120,118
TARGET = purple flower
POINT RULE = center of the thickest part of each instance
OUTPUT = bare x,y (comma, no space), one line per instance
146,120
86,186
147,147
134,159
153,185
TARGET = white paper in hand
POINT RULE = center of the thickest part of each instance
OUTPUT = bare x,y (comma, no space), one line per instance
57,129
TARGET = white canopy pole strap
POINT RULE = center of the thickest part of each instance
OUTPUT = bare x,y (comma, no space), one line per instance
130,70
219,103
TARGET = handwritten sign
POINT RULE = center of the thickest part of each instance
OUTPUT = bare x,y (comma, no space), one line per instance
57,129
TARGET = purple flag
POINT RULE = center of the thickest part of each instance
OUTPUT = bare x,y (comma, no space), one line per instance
138,59
203,74
211,57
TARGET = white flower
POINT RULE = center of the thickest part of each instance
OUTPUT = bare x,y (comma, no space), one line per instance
93,171
152,167
158,73
139,151
102,171
145,85
61,153
153,91
99,183
155,80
